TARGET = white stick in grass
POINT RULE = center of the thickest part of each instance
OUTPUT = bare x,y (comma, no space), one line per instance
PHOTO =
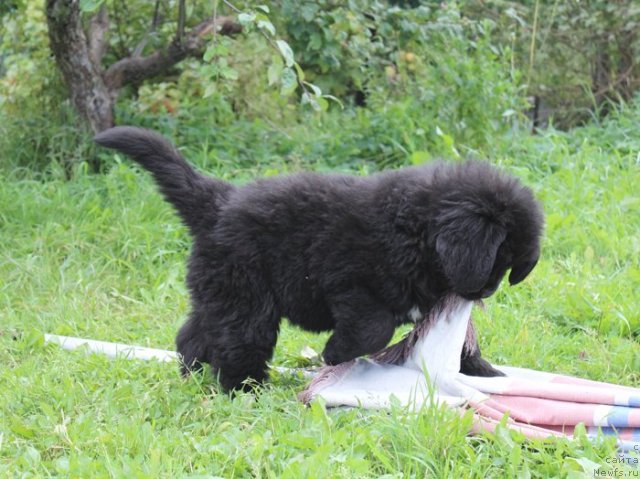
127,351
111,350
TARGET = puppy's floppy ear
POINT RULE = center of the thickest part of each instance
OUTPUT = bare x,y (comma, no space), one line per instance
467,246
521,269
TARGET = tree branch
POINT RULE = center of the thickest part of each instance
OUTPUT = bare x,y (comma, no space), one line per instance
135,69
182,14
98,27
137,51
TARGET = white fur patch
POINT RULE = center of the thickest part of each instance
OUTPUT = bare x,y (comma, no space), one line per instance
415,314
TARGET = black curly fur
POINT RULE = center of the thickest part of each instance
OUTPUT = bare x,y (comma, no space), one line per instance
334,252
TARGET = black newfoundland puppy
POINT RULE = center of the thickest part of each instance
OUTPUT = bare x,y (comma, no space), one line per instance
355,255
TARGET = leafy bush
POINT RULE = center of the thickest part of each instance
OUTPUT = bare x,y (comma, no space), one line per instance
35,130
453,95
435,85
434,79
578,57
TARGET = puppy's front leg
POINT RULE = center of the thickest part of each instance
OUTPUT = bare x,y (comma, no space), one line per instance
475,365
363,326
471,361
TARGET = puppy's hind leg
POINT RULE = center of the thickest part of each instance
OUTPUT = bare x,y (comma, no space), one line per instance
241,349
191,344
241,356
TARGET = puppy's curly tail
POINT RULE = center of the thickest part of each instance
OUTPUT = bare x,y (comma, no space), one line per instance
196,197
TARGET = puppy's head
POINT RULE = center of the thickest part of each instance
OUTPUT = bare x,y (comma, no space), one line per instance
484,224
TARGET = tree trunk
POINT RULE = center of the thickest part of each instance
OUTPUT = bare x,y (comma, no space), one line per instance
93,89
82,75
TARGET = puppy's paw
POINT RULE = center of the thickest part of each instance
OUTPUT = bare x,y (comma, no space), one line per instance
189,367
233,380
334,354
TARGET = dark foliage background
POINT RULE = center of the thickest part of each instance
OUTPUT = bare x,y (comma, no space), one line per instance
415,79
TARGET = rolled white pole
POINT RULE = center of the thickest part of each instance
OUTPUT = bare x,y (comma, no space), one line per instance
127,351
112,350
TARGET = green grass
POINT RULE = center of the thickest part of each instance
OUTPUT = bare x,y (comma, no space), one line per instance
103,257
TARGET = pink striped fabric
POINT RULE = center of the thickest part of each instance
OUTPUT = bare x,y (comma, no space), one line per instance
555,404
537,404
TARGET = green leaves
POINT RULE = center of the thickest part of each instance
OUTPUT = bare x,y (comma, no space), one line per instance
419,157
246,18
316,99
218,68
283,70
316,102
288,81
286,52
90,6
267,26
